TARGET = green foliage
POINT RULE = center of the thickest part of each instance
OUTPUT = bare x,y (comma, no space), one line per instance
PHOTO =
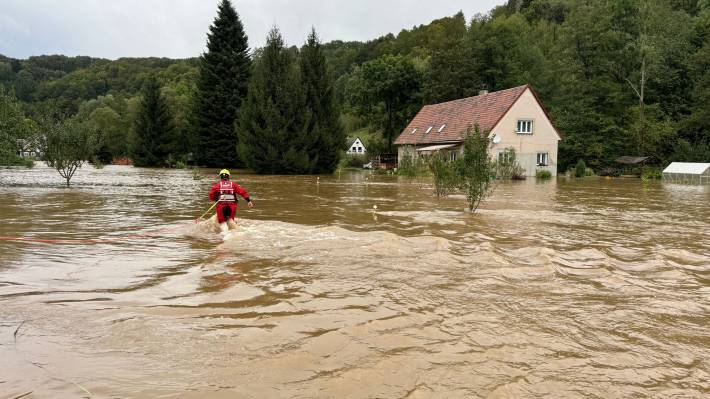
446,176
683,151
16,131
543,174
221,89
153,139
580,170
323,136
475,168
411,166
353,161
387,90
272,126
451,73
67,145
652,173
506,167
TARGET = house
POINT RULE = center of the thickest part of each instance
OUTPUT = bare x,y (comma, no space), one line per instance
28,149
513,118
357,147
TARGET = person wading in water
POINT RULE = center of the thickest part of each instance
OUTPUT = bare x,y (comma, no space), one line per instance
225,193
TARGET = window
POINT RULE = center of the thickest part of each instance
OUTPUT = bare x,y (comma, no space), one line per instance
441,129
353,149
429,130
453,155
505,157
541,159
359,149
525,126
414,131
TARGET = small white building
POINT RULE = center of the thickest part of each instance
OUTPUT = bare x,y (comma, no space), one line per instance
357,147
687,172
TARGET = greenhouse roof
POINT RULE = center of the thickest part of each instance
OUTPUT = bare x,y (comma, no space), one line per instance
691,168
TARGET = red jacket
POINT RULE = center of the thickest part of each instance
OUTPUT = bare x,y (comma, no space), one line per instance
226,188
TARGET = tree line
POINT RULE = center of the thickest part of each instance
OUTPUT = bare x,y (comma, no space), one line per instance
628,77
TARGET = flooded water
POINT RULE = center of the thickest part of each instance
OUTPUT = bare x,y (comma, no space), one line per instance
589,288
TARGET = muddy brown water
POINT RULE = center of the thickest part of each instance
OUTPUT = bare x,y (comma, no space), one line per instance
567,288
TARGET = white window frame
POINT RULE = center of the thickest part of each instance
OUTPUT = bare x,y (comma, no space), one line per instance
414,131
525,126
429,130
441,129
546,159
507,156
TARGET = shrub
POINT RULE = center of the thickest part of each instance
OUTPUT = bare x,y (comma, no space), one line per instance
411,166
652,173
581,169
543,174
353,161
475,168
446,178
507,166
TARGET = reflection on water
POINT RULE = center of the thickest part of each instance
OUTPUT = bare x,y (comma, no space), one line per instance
592,288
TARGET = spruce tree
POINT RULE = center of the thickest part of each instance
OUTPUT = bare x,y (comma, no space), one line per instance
153,139
271,129
326,135
221,88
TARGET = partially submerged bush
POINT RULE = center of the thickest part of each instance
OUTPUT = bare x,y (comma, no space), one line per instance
580,170
353,161
543,174
446,176
411,166
507,167
652,173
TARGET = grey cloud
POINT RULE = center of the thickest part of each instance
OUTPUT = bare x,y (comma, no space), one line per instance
177,28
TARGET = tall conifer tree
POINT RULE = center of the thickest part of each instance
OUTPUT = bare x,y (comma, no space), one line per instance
153,140
221,88
326,135
271,127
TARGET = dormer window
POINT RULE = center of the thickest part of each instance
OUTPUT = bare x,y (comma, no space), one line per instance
525,126
429,130
414,131
441,129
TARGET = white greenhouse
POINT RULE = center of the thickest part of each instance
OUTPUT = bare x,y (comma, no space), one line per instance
687,172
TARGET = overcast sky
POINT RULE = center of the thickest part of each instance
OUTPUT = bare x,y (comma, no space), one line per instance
177,28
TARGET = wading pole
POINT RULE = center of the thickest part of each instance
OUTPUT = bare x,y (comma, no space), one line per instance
208,211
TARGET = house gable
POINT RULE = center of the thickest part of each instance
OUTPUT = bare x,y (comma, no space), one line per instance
357,147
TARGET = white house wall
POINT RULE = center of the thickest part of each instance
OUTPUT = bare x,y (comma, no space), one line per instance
543,139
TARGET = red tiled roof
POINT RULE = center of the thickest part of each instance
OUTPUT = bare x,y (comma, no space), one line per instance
486,110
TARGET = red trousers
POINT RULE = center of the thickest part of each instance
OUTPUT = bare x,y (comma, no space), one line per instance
226,211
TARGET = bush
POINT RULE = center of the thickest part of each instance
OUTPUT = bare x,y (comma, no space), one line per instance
507,166
475,168
652,173
353,161
411,166
581,169
543,174
446,178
